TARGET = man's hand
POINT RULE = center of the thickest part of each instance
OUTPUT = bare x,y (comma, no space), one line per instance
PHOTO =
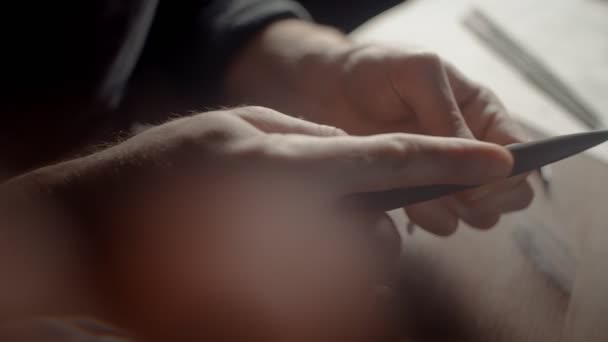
247,229
375,89
228,225
387,90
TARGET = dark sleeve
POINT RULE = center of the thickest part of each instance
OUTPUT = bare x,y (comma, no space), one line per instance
194,40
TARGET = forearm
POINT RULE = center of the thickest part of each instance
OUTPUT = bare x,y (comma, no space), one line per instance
41,266
61,226
289,57
50,222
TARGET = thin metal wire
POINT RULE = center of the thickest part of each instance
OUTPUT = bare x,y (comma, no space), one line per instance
529,66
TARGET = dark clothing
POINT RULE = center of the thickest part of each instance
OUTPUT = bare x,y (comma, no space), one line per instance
332,12
68,64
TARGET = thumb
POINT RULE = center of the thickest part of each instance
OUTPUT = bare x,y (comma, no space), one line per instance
382,162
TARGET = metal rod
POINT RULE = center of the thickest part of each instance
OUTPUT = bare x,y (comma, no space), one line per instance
529,66
527,157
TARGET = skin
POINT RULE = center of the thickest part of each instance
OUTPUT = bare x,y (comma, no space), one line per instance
197,250
174,260
317,73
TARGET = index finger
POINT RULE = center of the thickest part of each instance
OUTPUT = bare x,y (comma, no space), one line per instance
422,82
483,111
381,162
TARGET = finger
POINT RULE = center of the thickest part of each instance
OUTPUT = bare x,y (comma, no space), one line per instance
513,199
481,220
483,111
271,121
485,212
434,217
493,122
464,89
501,127
479,193
421,81
388,161
475,218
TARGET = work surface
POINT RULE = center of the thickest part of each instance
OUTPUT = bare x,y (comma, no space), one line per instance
541,275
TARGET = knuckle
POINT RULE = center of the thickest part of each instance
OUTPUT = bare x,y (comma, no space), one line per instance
338,131
213,131
427,60
367,55
430,57
489,96
330,131
252,111
397,151
393,146
203,117
202,130
256,147
486,92
209,142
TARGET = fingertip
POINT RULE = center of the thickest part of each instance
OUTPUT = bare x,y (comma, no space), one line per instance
434,217
448,228
502,161
495,162
478,217
484,222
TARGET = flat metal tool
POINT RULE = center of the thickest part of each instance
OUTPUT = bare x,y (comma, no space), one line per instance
527,157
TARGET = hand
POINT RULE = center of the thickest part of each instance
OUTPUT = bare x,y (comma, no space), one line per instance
229,224
386,90
253,223
375,89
